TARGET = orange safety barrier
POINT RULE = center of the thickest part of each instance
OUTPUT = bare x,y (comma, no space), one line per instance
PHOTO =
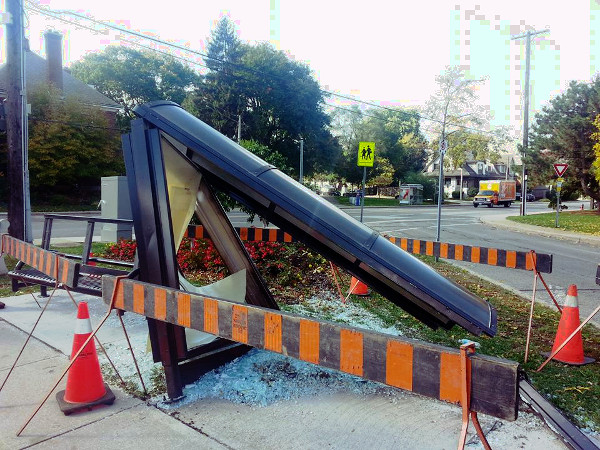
427,369
475,254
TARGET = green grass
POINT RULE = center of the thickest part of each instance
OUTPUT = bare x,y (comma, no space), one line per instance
576,221
574,390
6,284
97,247
371,201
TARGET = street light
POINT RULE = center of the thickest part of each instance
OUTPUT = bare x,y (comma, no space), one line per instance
301,177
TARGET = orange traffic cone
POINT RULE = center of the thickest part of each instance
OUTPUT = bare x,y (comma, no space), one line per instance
572,353
357,287
85,387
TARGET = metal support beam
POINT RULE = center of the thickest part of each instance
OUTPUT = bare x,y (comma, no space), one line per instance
155,245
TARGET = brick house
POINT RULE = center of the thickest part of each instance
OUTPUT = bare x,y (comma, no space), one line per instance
50,70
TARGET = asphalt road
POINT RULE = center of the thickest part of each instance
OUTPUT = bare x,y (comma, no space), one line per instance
572,263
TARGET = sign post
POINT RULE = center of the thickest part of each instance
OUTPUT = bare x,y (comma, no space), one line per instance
366,156
560,169
443,146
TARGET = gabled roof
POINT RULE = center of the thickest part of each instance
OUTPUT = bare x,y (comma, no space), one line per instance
36,73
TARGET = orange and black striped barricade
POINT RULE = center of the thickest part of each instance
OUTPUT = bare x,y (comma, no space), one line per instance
420,367
511,259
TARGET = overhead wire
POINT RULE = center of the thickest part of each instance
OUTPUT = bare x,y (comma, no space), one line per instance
54,13
75,124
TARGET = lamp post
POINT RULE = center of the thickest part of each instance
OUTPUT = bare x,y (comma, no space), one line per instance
301,177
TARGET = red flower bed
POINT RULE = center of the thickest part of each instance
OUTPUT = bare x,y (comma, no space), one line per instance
290,269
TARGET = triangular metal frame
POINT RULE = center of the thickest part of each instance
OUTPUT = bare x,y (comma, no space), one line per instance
157,260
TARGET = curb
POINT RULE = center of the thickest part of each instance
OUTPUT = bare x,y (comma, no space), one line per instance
577,238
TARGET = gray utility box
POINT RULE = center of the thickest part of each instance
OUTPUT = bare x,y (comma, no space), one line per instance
115,205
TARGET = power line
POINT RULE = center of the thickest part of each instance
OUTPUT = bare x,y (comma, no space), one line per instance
53,14
75,124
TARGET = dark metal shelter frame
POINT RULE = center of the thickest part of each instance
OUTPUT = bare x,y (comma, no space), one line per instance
175,162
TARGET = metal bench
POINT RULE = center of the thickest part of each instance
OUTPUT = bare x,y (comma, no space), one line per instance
88,278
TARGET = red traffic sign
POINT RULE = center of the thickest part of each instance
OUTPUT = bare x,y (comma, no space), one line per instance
560,169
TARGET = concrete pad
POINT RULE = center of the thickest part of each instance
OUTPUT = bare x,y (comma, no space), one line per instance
136,428
354,421
27,386
12,342
128,423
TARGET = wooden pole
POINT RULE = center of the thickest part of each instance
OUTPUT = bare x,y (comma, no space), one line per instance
14,119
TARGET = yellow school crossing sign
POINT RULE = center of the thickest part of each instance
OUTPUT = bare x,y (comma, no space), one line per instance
366,154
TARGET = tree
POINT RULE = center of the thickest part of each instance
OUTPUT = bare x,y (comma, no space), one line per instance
453,109
219,99
563,131
131,77
466,146
285,104
397,136
277,98
382,173
596,139
71,145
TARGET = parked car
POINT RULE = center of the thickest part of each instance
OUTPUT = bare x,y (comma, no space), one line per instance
530,197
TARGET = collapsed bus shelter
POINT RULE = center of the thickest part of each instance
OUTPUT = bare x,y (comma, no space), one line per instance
175,164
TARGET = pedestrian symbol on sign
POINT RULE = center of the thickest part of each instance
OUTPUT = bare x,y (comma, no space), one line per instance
366,154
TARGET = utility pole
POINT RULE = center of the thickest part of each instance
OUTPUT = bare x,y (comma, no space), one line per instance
16,118
301,178
527,36
239,130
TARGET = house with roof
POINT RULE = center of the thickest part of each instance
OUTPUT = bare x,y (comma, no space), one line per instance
469,174
50,70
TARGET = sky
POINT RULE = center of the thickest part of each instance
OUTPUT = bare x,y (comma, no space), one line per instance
383,51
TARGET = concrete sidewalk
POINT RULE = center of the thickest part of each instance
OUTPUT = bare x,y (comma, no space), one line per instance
346,419
128,424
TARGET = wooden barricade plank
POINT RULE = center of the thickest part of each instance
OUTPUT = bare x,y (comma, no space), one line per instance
423,368
44,261
474,254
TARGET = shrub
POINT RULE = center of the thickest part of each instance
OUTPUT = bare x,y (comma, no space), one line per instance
283,264
472,192
124,250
